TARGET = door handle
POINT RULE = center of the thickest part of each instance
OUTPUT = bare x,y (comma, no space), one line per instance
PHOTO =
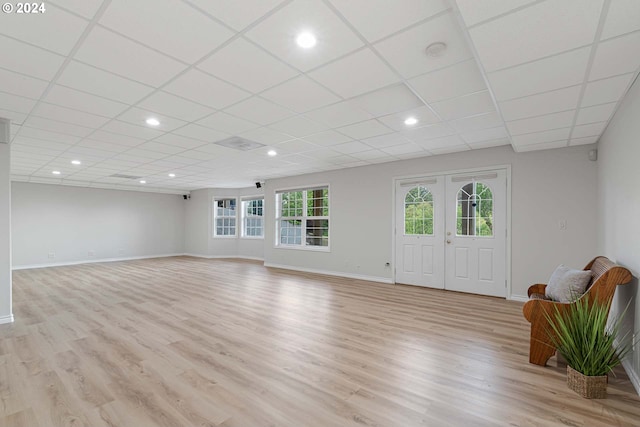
448,242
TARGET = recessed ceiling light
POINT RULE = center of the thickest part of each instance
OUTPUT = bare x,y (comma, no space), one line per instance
172,175
55,172
142,181
306,40
76,162
436,49
272,153
410,121
152,121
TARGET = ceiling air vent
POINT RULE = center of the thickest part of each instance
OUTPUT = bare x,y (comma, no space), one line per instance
238,143
119,175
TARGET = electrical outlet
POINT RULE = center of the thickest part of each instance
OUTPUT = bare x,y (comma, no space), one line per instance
52,255
91,254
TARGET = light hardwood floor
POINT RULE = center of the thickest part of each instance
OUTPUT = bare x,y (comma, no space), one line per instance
192,342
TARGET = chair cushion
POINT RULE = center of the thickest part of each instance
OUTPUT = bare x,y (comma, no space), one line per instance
567,284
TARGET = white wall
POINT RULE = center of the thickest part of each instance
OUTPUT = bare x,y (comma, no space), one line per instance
547,186
6,314
199,238
71,221
619,208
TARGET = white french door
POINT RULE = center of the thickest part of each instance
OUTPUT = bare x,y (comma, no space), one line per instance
451,232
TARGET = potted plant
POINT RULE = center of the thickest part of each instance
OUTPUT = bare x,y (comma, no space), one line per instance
582,337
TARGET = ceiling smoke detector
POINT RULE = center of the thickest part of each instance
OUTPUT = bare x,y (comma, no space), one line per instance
238,143
436,49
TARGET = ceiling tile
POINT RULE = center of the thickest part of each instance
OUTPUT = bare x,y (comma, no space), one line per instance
405,51
544,75
71,98
19,104
540,30
355,74
167,31
408,148
473,11
48,135
141,132
236,14
288,95
266,136
540,137
424,115
171,105
444,142
449,149
200,132
227,123
616,56
112,52
584,141
380,20
246,65
451,82
597,113
428,132
138,117
384,141
90,145
481,121
539,104
484,135
98,82
623,17
260,111
297,146
200,87
21,85
540,123
278,32
389,100
327,138
117,138
44,30
86,8
351,147
593,129
340,114
179,141
490,143
366,129
607,90
464,106
56,126
30,60
63,114
373,155
298,126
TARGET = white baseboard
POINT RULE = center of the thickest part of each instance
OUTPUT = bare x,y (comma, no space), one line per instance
331,273
633,375
6,319
91,261
520,298
252,258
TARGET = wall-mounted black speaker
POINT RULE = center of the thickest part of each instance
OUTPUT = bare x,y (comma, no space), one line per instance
258,185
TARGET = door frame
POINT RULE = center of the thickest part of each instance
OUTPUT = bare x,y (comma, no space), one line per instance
505,167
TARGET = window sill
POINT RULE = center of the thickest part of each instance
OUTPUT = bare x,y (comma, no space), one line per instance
304,248
224,237
252,237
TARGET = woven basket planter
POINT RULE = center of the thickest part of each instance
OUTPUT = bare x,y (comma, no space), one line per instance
586,386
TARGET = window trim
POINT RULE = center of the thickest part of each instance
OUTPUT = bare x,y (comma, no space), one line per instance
242,216
215,217
301,247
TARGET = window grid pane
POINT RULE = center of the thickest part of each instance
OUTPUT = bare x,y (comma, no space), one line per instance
252,213
418,212
303,213
225,217
474,210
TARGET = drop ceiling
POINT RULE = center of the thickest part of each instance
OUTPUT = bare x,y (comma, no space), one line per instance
79,81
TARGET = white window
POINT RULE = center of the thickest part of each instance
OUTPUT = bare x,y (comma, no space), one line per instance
224,217
252,221
302,218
